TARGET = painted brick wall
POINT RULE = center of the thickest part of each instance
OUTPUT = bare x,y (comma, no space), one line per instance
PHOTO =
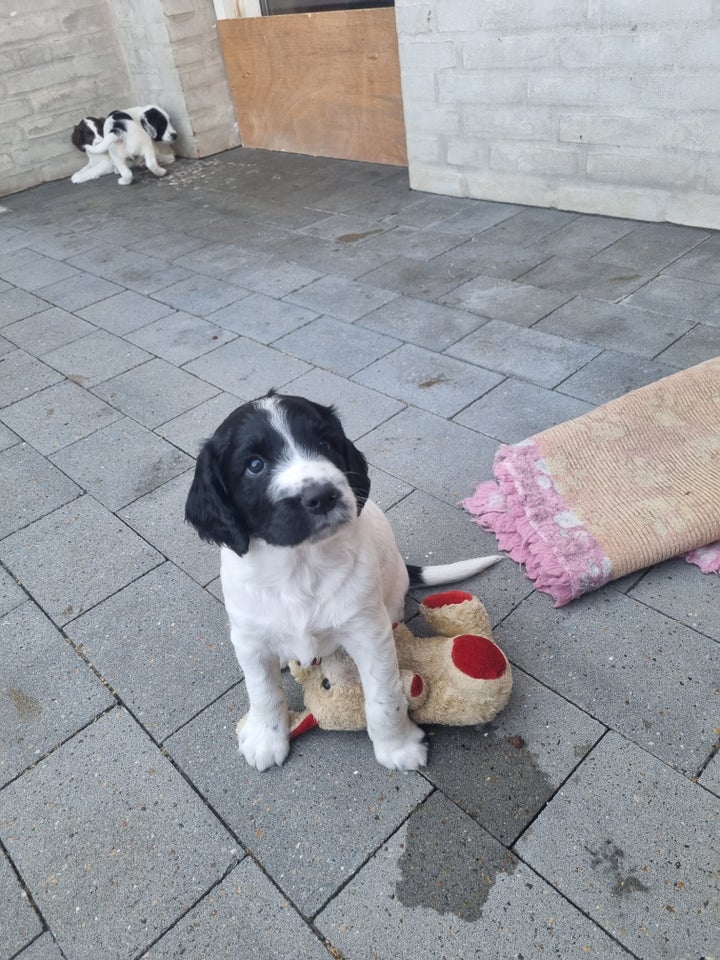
64,59
601,106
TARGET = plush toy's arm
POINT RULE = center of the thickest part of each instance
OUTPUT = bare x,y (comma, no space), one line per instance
301,723
454,612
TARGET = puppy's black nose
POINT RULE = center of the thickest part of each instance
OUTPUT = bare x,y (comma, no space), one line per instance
320,498
173,136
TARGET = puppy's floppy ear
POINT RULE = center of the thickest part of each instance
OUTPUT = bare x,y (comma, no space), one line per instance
154,123
356,471
208,506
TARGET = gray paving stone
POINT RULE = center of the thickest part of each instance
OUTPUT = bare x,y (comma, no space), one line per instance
341,298
584,236
19,923
57,416
679,590
245,916
471,219
6,346
179,337
429,380
592,278
76,557
328,257
692,300
95,358
529,354
430,325
514,410
48,692
105,258
155,392
47,330
44,948
633,669
16,304
11,594
281,815
32,487
701,263
159,518
359,408
73,294
124,312
634,844
503,773
422,449
386,491
710,778
273,277
221,260
610,375
489,257
200,295
247,369
144,847
262,318
148,275
191,429
60,245
652,246
163,644
350,228
442,887
171,246
121,462
697,345
21,375
502,300
428,280
416,244
615,326
37,272
529,225
335,345
7,437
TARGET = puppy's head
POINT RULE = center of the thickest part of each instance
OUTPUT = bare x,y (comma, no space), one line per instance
87,132
278,469
156,124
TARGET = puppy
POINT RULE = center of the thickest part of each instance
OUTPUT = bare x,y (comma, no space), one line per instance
129,135
88,132
308,564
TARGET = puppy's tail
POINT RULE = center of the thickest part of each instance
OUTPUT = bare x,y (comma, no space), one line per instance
448,572
118,128
102,145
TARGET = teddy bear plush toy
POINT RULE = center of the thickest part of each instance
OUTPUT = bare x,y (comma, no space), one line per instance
457,677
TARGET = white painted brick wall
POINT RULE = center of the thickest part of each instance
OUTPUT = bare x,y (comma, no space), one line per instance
61,60
601,106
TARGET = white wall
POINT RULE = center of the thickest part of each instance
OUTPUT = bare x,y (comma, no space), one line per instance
600,106
61,60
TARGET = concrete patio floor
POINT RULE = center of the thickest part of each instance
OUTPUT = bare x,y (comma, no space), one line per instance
582,823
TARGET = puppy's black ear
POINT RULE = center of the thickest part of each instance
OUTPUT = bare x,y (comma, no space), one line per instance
356,471
208,506
154,123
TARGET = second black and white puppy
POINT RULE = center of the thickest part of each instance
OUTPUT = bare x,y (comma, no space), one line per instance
130,135
308,564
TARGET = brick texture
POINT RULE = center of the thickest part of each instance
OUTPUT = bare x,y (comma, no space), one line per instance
600,106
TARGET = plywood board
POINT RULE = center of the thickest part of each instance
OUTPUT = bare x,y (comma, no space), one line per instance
325,84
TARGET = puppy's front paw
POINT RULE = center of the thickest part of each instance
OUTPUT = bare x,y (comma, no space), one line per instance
124,181
406,753
261,745
160,172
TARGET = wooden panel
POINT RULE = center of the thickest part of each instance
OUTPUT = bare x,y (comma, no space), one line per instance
325,84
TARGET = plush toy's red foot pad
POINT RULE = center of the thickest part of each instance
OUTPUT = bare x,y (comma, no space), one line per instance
446,599
307,723
478,657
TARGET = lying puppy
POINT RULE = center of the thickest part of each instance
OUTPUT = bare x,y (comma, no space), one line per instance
89,132
129,135
308,564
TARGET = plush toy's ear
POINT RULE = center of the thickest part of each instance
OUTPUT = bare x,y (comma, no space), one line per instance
208,507
356,471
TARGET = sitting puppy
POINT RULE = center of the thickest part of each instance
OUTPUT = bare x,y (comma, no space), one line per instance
308,565
87,132
130,135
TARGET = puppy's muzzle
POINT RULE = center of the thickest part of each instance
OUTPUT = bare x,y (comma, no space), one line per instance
320,499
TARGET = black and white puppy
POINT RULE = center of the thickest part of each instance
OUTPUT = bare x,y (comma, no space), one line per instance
130,135
308,564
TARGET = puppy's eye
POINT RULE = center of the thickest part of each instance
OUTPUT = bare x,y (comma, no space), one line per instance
255,465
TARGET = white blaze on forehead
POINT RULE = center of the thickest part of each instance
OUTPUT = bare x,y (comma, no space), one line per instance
297,467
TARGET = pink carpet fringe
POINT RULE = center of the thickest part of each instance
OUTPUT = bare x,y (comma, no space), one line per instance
534,524
707,558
